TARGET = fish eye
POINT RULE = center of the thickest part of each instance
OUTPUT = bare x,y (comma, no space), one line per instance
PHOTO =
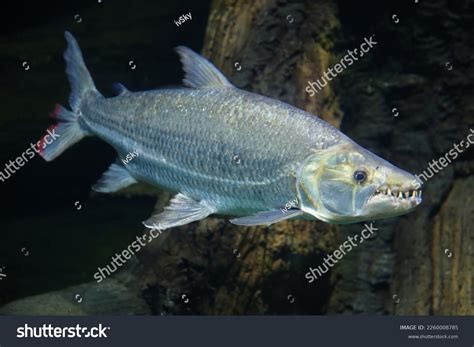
360,176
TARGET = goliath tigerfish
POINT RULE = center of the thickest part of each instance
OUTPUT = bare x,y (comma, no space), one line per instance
227,151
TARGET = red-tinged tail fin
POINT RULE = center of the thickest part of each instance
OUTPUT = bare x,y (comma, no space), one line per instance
61,135
68,131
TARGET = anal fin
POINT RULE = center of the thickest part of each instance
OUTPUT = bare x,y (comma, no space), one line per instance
181,210
267,217
115,178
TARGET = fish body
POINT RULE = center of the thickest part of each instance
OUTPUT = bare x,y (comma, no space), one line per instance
236,149
225,151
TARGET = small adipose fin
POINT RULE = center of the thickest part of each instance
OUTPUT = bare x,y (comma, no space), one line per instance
267,217
199,72
181,210
120,89
115,178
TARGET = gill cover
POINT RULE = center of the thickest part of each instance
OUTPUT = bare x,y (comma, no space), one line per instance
328,190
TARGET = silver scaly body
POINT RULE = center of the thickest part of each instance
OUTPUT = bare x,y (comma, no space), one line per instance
235,149
223,150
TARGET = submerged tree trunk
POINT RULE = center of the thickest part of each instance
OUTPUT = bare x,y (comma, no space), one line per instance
410,100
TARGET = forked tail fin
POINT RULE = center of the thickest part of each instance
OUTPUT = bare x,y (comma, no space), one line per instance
68,131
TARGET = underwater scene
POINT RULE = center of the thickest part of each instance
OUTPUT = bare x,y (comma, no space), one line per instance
234,157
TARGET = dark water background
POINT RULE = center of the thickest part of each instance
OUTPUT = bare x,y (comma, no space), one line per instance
38,203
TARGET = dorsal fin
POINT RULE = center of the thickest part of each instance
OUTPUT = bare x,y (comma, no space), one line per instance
120,89
199,72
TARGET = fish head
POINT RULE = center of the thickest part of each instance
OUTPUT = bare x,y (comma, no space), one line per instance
348,184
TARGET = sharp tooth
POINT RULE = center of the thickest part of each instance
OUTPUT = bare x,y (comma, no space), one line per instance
400,195
415,194
389,191
420,193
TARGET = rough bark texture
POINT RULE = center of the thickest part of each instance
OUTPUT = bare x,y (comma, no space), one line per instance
406,269
452,256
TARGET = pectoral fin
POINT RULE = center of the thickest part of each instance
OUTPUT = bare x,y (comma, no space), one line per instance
182,210
115,178
266,217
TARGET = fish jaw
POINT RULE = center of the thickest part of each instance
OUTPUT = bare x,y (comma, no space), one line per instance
399,194
329,188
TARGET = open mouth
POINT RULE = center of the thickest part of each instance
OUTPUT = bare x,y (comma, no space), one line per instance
399,196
